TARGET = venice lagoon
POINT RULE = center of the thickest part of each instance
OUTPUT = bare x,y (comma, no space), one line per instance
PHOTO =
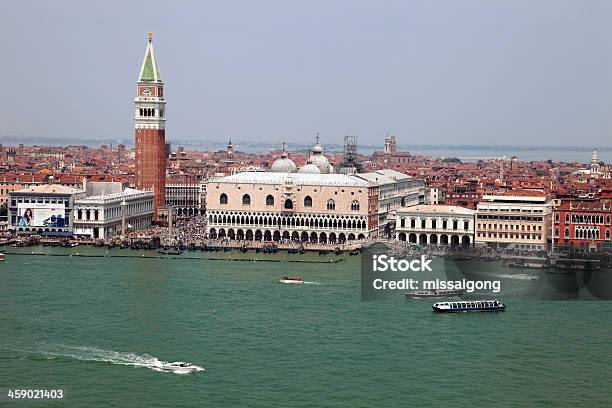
96,327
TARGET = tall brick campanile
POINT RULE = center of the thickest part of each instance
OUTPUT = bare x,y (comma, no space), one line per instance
150,129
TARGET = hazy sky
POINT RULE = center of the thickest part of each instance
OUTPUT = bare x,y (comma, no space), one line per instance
431,72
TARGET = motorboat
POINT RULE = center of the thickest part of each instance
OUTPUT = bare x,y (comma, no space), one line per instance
181,367
469,306
434,293
285,279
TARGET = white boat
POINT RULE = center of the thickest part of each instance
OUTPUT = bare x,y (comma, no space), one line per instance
1,257
285,279
425,294
469,306
181,367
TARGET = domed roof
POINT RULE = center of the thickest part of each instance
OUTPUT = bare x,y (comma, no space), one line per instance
318,159
283,164
309,168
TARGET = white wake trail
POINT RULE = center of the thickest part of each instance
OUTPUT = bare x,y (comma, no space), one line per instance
85,353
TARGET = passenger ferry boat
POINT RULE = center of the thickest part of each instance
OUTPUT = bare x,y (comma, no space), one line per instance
469,306
425,294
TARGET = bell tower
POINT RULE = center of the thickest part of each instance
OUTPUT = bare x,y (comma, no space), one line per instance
150,129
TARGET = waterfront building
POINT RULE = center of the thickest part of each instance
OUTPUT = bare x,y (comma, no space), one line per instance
395,190
579,223
44,208
150,125
269,206
111,209
187,199
516,217
435,225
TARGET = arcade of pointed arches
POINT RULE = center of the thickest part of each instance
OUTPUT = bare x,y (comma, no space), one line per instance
315,228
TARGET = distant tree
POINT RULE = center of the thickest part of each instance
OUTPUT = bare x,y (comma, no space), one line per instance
451,160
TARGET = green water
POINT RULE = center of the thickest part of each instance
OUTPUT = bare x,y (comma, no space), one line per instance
90,326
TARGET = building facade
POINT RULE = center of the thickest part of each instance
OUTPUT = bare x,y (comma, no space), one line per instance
435,225
579,223
268,206
187,199
41,209
517,217
395,190
150,128
113,212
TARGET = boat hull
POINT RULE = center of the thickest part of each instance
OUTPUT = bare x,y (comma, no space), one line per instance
481,309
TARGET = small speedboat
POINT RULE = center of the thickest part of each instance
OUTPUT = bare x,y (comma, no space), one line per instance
181,367
285,279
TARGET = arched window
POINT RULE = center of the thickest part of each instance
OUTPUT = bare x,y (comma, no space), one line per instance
307,201
269,200
566,233
355,205
331,204
246,199
288,204
607,234
223,199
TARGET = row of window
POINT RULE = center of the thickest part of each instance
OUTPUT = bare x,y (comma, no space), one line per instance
246,200
507,235
434,224
583,233
509,218
39,200
512,227
510,210
584,219
150,112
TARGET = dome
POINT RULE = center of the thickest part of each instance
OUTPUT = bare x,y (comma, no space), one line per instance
283,165
319,160
309,168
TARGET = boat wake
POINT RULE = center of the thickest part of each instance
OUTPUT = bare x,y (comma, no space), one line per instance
84,353
519,276
311,283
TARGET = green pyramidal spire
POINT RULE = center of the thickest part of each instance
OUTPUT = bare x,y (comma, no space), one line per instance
149,72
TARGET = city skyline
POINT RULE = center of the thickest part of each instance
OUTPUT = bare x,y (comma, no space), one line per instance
436,73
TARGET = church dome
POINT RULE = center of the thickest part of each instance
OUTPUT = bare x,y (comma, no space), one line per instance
309,168
321,162
318,158
284,164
